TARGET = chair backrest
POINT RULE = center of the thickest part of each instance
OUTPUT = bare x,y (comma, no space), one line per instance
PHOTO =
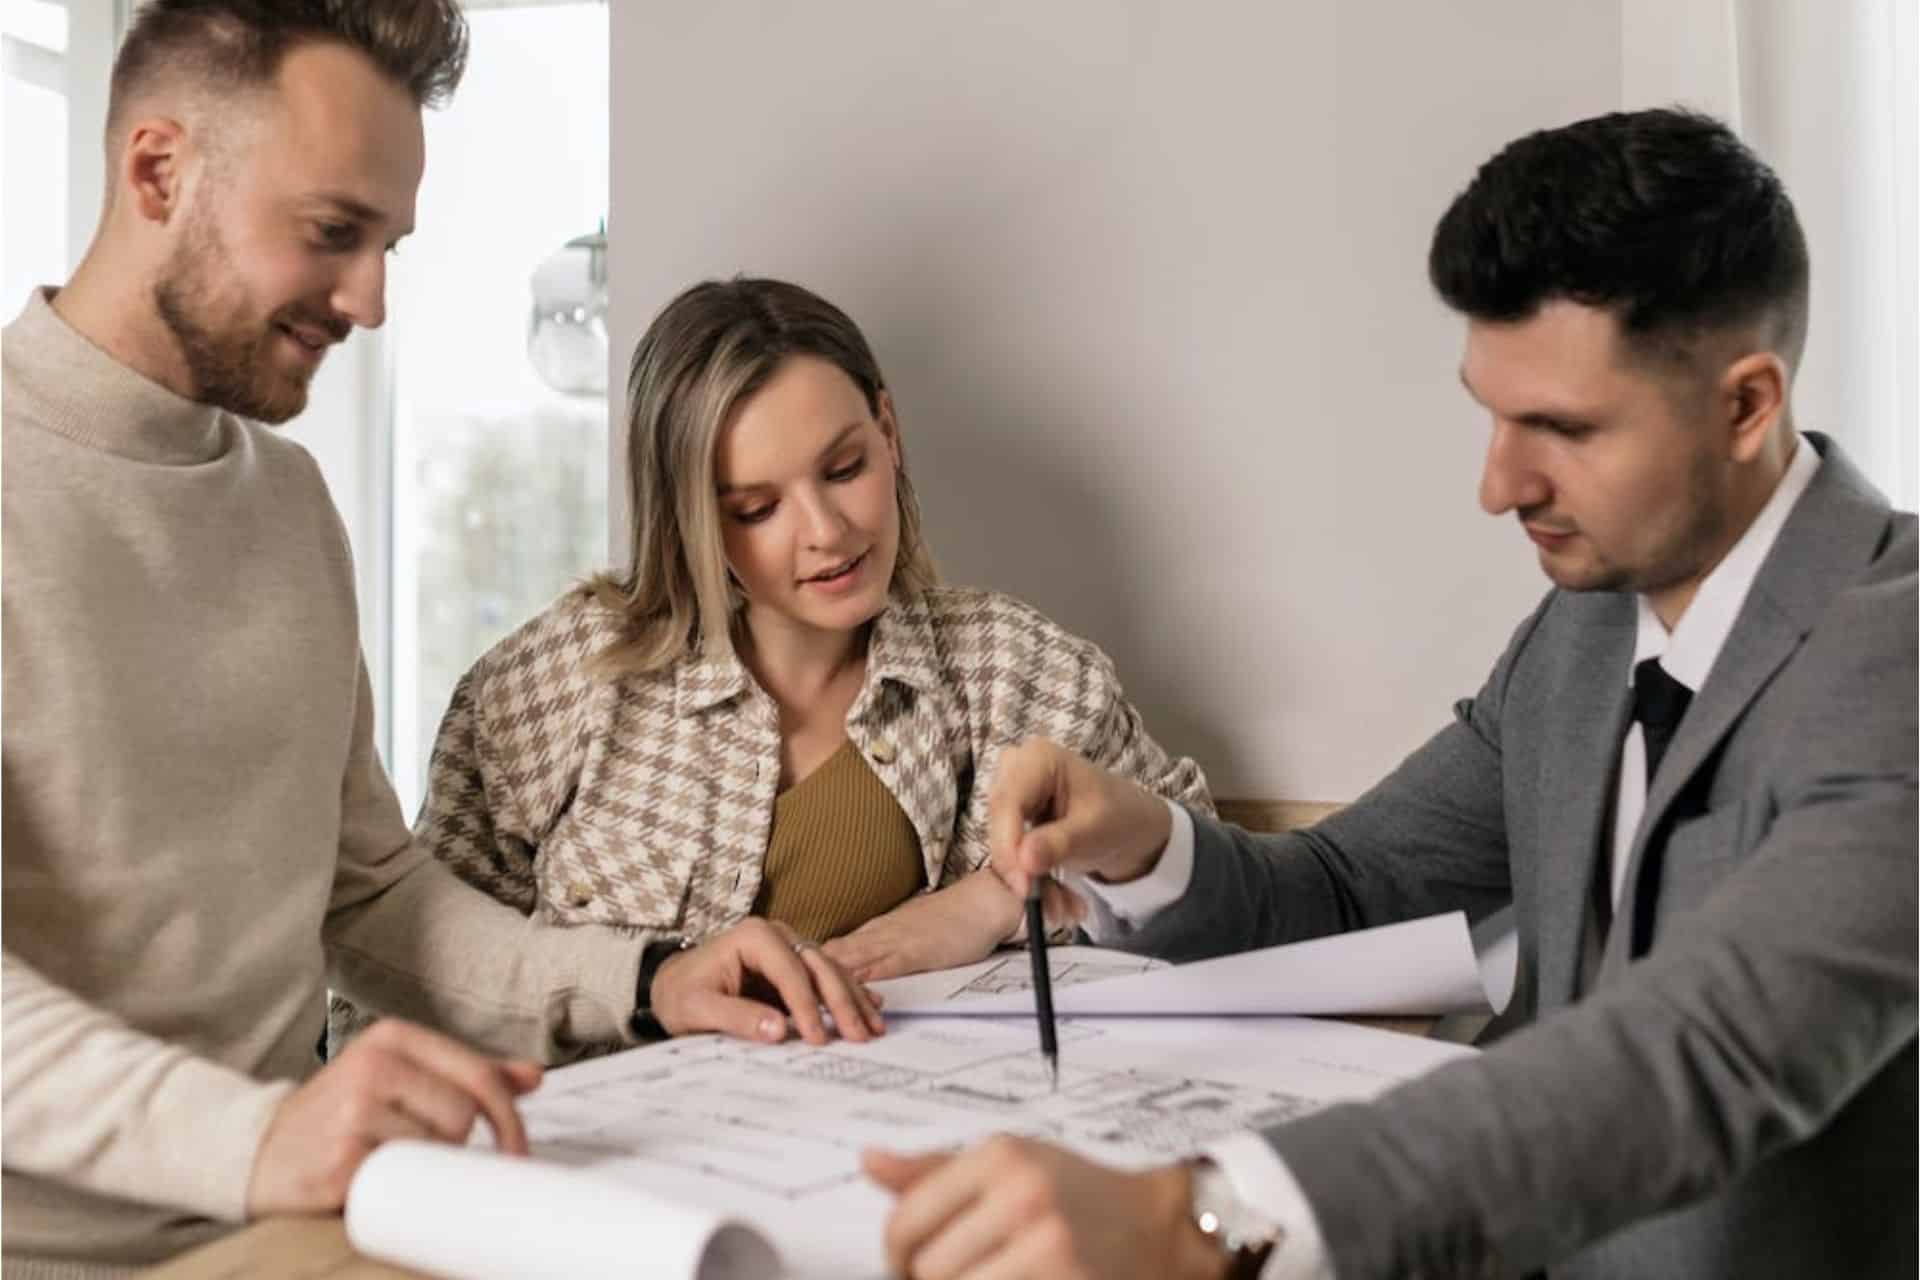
1275,815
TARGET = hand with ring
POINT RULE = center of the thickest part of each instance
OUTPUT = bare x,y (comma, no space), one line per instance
748,981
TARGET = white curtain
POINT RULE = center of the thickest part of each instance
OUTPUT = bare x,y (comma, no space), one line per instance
1826,93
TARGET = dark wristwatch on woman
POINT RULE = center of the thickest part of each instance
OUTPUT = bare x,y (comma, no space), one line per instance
656,953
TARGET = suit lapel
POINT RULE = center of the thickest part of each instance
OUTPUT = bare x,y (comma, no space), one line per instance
1577,794
1832,533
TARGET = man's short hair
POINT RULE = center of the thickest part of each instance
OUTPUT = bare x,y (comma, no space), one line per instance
228,46
1663,217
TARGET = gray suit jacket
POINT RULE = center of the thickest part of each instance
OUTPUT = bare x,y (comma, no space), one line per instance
1730,1091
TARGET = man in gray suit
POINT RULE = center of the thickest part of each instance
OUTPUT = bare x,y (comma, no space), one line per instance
1692,774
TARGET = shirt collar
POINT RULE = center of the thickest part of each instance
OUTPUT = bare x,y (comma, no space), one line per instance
1688,652
704,681
901,649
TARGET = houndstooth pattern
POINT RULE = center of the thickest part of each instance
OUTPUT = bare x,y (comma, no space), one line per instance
646,801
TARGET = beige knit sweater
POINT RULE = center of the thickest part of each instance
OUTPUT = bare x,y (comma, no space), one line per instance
197,834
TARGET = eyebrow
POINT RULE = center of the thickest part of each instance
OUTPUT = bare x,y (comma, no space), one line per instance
358,210
839,439
1535,418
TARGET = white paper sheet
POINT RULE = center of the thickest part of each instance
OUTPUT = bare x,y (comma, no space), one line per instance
473,1214
771,1135
1416,967
1010,972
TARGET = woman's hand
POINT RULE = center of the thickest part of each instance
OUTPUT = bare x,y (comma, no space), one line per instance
739,981
956,925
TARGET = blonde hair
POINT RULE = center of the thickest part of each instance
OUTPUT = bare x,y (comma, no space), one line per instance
710,349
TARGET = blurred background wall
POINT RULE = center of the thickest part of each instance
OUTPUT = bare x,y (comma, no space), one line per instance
1148,281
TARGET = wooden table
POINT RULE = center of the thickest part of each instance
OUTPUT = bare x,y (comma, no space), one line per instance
312,1248
283,1249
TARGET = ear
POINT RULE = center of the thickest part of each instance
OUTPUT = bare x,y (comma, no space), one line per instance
889,426
153,167
1752,397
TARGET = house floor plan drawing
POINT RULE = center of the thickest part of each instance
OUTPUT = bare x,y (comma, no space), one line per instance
1067,967
1010,972
773,1134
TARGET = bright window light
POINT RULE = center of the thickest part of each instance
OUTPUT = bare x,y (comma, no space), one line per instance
499,480
37,22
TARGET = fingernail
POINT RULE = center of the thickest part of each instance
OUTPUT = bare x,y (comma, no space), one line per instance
770,1028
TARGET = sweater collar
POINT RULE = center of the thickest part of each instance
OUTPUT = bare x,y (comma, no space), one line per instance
73,388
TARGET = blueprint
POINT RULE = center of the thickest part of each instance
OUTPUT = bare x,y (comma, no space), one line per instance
771,1135
1007,972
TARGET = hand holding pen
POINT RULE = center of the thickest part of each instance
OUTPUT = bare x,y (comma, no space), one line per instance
1049,810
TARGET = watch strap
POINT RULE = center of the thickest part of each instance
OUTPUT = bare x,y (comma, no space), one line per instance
642,1022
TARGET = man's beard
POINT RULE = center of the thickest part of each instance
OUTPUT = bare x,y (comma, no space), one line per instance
229,356
1702,527
1698,526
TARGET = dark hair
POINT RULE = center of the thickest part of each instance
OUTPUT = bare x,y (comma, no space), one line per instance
1664,217
231,45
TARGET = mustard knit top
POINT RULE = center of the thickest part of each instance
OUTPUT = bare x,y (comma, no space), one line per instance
841,851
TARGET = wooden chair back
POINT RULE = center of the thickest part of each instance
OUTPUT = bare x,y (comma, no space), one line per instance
1274,815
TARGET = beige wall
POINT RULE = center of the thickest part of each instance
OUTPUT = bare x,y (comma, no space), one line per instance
1148,281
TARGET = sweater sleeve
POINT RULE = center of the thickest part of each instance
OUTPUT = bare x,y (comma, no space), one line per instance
93,1103
406,936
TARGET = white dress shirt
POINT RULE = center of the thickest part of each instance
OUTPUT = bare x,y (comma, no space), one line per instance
1688,652
1257,1173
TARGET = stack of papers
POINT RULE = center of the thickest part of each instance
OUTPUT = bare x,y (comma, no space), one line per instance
711,1158
1413,968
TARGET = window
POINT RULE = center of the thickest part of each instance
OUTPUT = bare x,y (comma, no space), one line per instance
55,60
498,480
33,42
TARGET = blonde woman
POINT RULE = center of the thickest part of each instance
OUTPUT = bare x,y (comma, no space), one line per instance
776,710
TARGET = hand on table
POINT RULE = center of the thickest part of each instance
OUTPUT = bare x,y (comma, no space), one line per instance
1048,810
1012,1207
738,981
395,1080
956,925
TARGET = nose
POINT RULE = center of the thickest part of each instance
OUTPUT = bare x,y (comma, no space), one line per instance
361,294
1509,480
824,522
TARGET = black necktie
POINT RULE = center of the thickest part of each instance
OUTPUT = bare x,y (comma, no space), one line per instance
1658,703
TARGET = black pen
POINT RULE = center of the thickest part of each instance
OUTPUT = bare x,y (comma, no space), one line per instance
1042,980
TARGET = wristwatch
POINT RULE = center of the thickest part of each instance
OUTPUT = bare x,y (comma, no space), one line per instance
1247,1236
656,953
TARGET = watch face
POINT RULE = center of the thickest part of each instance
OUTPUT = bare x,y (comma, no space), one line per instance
1220,1212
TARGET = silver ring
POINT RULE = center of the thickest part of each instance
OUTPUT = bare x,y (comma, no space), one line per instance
803,945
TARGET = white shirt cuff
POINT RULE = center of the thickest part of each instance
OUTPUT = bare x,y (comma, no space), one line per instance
1117,908
1261,1178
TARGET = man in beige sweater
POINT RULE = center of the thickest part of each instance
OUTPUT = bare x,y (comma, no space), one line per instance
198,836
